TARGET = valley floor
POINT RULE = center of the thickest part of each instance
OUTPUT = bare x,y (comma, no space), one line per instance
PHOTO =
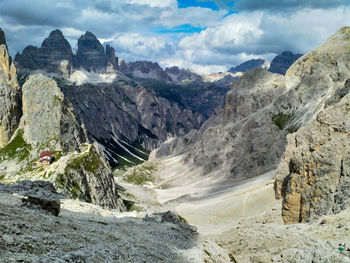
245,218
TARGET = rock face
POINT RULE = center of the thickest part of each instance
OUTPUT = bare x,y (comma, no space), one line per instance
10,105
90,55
314,176
128,117
249,65
281,63
48,117
54,55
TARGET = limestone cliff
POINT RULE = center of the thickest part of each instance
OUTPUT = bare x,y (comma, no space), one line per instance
48,119
10,105
313,177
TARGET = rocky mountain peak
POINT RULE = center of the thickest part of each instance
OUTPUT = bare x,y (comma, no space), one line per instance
2,37
56,41
91,54
54,55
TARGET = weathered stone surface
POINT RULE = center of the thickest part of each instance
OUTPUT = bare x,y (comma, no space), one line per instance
281,63
48,119
10,104
313,177
55,55
90,55
38,188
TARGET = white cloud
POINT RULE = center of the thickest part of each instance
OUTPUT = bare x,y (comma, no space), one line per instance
250,35
154,3
135,46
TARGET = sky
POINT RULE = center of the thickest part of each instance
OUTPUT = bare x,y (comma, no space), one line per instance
206,36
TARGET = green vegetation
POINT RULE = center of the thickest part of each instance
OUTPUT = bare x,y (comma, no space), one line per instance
281,120
16,148
88,161
57,100
140,174
232,258
72,187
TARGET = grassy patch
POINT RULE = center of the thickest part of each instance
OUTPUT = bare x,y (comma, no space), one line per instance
140,174
281,120
88,161
16,148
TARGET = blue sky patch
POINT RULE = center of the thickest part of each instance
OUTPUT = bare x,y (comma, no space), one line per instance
204,4
185,28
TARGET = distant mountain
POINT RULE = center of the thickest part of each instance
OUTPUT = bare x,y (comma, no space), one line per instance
152,70
55,55
125,118
281,63
249,65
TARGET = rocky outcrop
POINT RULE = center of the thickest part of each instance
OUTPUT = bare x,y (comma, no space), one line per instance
249,65
91,55
37,194
55,55
88,176
10,104
48,119
313,177
281,63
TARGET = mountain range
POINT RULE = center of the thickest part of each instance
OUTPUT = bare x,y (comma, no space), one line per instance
256,158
